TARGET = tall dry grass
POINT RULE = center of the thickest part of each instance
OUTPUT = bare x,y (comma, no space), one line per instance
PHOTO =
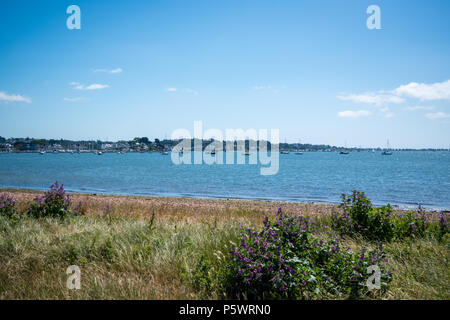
148,248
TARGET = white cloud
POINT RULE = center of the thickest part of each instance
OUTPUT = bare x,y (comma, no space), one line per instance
185,90
74,99
354,114
422,91
419,108
95,86
191,91
371,98
13,97
437,115
117,70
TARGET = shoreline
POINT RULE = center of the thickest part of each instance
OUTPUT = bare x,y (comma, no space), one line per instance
68,151
202,203
180,204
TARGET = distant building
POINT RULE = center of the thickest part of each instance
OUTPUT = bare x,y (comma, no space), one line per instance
5,147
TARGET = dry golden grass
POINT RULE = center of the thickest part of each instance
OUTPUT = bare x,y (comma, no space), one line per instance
184,209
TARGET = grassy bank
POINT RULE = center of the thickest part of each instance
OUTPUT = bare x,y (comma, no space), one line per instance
150,248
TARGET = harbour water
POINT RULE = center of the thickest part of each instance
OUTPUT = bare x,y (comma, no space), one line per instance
404,178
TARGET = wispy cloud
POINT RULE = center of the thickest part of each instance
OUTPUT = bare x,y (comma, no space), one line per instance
95,86
13,97
118,70
354,114
437,115
112,71
74,99
185,90
422,91
377,99
387,112
265,88
191,91
419,108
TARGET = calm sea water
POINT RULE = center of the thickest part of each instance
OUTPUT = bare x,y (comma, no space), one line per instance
404,179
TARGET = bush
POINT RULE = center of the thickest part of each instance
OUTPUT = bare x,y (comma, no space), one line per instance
7,206
443,226
286,260
54,203
203,278
357,216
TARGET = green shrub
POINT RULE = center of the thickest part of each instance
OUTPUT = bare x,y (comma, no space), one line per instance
7,207
357,216
204,278
443,226
54,203
286,260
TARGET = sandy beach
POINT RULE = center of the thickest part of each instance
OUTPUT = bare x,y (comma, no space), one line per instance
173,206
185,208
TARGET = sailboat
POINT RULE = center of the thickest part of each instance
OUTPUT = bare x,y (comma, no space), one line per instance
285,151
344,151
298,150
387,152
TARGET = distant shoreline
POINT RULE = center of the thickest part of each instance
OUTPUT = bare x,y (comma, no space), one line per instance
290,150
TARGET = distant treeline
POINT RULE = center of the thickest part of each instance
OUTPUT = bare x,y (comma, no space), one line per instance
144,143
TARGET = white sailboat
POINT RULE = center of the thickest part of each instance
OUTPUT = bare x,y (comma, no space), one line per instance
386,152
298,150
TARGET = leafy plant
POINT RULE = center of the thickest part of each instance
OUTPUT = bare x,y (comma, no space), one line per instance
7,206
357,216
443,226
286,260
203,277
54,203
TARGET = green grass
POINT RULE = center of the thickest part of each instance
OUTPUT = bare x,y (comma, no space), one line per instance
126,257
119,259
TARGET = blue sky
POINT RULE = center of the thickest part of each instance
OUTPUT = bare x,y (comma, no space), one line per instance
309,68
